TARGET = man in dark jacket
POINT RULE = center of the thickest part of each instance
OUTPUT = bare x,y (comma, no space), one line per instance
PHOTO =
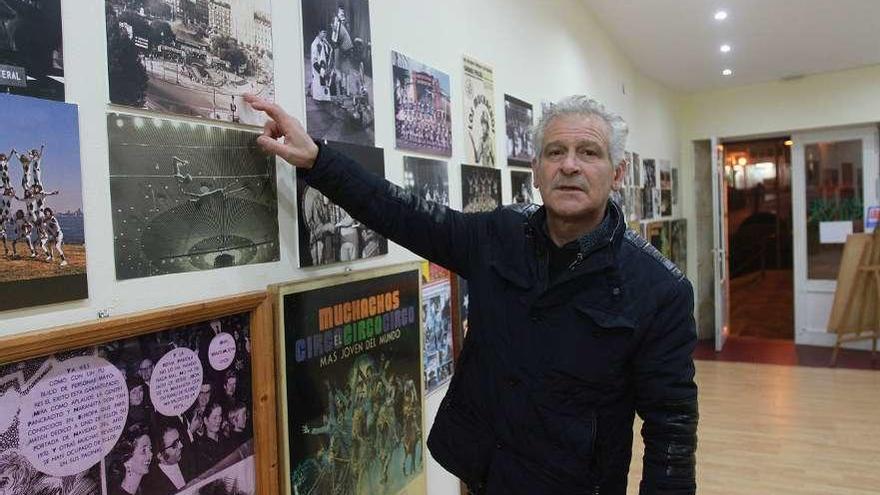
576,324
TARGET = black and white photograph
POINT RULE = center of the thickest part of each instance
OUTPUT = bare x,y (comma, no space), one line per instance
163,413
338,71
480,188
637,208
655,198
427,178
518,121
649,165
636,170
665,203
188,196
647,203
437,324
41,214
422,120
674,187
522,189
191,57
479,114
327,233
31,49
664,171
678,239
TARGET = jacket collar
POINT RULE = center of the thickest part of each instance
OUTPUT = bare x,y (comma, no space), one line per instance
610,231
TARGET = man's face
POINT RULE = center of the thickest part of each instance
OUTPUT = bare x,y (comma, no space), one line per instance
214,419
230,385
136,395
172,448
238,419
204,394
145,370
574,172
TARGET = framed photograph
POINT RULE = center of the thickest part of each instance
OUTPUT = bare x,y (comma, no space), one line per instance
636,170
480,188
647,203
522,190
665,203
327,233
168,401
188,196
664,170
479,113
41,214
427,178
437,322
193,58
678,240
338,71
351,393
518,122
674,187
422,108
31,49
649,165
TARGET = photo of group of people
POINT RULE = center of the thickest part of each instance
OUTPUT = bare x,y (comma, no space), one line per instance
422,120
479,113
162,454
160,414
41,220
31,54
188,197
338,70
480,188
327,233
427,178
518,119
191,57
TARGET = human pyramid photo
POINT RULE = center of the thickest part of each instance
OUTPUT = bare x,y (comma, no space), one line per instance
35,220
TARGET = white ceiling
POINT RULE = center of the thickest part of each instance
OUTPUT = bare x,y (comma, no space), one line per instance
677,41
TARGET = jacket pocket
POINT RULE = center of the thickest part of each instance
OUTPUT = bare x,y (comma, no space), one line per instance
605,322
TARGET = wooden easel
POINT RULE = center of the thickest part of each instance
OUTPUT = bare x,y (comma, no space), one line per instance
855,314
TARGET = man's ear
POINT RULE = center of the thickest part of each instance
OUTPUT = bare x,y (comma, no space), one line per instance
619,174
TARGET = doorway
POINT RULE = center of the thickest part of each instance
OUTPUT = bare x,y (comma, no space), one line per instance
757,182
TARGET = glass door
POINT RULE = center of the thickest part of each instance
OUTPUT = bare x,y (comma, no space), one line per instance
719,251
834,182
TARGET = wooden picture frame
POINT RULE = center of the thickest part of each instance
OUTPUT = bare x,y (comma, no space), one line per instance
56,343
320,373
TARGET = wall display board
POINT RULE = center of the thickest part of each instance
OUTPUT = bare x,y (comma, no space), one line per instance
422,108
479,114
163,402
191,58
351,390
522,189
41,218
31,54
338,70
429,179
518,121
188,196
327,233
437,324
480,188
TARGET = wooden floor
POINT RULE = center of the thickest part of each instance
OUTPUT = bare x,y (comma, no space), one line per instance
784,430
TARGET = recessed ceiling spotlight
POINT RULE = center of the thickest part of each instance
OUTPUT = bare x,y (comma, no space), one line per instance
720,15
727,72
725,48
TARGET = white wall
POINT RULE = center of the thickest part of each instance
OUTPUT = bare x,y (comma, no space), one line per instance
540,51
835,99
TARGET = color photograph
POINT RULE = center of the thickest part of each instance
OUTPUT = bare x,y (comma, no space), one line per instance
518,121
422,120
427,178
480,188
352,371
191,57
479,113
188,196
338,71
437,325
327,233
41,217
31,48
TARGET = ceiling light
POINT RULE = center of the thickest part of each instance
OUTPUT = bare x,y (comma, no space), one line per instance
720,15
742,161
725,48
727,72
788,142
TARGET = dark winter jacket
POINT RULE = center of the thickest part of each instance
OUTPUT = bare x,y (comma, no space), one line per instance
552,373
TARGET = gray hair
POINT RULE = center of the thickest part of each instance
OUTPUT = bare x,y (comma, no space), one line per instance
585,106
